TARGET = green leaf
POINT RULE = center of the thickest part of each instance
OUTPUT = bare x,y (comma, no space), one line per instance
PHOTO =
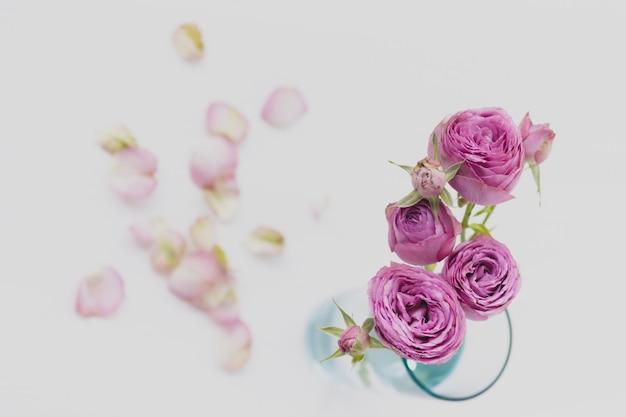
404,167
368,325
376,344
346,318
332,330
461,201
430,267
357,359
435,148
480,229
434,206
452,170
485,210
338,353
410,199
446,198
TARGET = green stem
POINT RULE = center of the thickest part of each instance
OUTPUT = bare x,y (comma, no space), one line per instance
489,213
465,222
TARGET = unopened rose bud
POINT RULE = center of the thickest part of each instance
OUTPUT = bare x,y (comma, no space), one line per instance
354,341
428,178
536,139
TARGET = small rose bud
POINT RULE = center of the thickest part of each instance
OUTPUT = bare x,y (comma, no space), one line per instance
536,139
428,178
354,341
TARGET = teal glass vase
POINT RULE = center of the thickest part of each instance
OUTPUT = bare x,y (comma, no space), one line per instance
475,368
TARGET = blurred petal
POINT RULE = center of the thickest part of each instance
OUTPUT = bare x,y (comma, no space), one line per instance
212,159
188,41
202,233
265,241
195,275
132,176
224,120
145,232
223,198
284,107
100,294
319,207
221,302
235,346
115,138
167,250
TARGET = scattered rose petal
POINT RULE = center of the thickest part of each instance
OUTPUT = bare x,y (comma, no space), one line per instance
265,241
167,250
211,160
100,294
196,274
319,207
284,107
221,302
202,233
132,176
235,346
223,119
223,198
115,138
188,41
146,232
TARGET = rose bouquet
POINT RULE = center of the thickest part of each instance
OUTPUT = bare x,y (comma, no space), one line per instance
453,269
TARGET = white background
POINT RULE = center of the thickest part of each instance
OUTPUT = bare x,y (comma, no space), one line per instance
378,76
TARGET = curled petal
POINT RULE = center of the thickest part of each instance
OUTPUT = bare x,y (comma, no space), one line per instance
146,232
132,176
115,138
167,250
223,198
235,346
211,160
284,107
100,294
188,42
222,119
221,302
197,273
265,241
202,233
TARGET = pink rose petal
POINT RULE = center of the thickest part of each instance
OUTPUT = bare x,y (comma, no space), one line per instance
211,160
132,176
115,138
223,198
220,302
100,294
222,119
145,232
188,42
284,107
202,233
167,250
195,275
265,241
235,346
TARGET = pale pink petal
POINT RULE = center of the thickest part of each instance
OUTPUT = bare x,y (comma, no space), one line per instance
284,107
235,346
188,42
223,198
132,176
202,234
114,138
211,160
319,207
225,120
265,241
167,250
145,232
100,294
221,302
196,274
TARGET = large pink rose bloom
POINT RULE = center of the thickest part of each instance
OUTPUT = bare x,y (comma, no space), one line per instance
484,275
490,143
416,237
417,313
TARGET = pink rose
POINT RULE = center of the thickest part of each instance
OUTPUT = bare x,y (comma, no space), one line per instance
537,140
490,144
354,341
484,276
416,237
417,313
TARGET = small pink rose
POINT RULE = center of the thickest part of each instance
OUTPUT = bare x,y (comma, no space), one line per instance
537,140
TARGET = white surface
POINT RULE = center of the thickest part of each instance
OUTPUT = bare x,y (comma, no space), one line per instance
378,76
